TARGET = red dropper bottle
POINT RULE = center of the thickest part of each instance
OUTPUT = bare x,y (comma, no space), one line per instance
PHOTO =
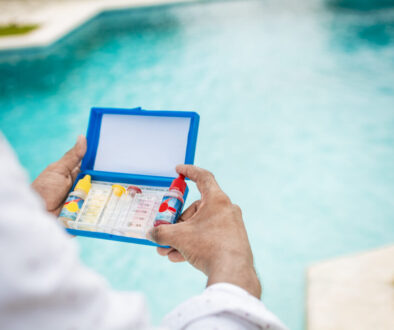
172,202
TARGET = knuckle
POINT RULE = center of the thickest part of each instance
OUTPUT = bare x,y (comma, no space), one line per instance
222,199
237,210
210,176
206,175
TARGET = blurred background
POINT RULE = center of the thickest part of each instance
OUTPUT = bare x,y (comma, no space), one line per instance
296,100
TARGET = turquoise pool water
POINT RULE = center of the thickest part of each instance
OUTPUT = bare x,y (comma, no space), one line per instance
297,123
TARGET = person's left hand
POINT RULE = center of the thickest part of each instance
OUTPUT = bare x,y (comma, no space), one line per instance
54,183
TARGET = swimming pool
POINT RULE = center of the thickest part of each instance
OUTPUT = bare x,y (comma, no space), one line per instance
297,123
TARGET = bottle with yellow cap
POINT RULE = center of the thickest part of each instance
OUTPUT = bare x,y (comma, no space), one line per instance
75,200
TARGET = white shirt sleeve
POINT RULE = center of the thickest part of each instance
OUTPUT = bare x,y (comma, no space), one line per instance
222,306
43,284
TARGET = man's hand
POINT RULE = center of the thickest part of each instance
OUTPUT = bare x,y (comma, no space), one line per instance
211,235
54,183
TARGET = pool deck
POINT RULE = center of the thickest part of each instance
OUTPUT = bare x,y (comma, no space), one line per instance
352,292
57,18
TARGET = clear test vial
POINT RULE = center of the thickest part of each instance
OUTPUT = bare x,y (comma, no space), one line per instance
127,202
108,218
140,215
94,207
172,203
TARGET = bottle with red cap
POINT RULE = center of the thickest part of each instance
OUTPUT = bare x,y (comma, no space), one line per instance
172,202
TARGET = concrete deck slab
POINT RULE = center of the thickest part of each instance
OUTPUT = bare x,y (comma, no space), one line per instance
355,292
57,18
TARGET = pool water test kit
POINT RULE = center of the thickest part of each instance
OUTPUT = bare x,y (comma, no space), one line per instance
128,183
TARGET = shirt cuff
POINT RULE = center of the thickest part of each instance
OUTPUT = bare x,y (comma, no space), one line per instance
223,298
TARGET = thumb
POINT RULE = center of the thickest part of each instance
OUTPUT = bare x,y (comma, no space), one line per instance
167,234
73,157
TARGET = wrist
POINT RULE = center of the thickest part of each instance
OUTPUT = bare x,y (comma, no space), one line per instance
237,272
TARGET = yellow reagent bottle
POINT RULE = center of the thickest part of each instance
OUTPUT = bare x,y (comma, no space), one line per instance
75,200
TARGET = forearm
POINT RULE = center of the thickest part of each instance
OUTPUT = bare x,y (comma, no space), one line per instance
239,272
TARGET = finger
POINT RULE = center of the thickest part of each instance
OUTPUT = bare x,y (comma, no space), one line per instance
73,157
164,251
175,256
167,234
190,211
204,179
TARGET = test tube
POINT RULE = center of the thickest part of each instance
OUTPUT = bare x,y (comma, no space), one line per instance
94,206
108,217
140,215
126,207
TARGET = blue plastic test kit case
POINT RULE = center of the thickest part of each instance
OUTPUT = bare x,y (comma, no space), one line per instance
136,146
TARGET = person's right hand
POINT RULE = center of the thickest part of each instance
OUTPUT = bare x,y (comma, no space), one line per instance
210,235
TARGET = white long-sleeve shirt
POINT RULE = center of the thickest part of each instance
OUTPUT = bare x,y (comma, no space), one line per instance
43,284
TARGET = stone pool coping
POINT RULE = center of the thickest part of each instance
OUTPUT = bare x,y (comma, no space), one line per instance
352,292
58,18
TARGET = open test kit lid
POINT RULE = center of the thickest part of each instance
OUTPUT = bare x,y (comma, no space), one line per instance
140,142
